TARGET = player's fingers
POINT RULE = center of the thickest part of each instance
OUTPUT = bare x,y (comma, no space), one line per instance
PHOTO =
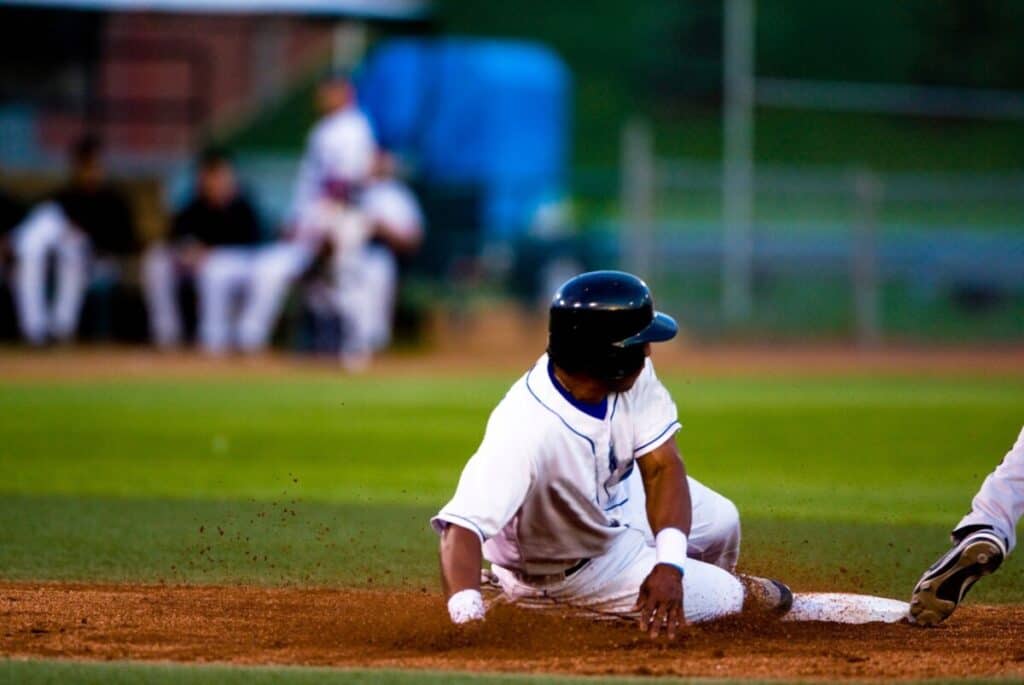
642,605
658,619
647,614
654,623
645,617
675,620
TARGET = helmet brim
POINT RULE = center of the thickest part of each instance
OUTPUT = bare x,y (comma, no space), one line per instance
662,328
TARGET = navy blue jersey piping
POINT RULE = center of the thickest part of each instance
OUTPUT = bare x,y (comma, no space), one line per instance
593,448
463,518
597,410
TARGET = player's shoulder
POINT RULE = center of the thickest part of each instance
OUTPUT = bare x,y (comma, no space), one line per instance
523,409
645,380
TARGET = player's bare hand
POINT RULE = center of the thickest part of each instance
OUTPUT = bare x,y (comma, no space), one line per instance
661,601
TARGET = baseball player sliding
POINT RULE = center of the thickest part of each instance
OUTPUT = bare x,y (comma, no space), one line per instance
981,541
577,494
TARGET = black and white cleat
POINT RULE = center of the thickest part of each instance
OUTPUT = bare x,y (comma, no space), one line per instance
944,585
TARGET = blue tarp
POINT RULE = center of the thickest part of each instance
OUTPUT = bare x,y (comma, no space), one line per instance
490,114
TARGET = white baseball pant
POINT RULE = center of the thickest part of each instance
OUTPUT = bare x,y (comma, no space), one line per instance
365,298
45,231
610,583
159,283
223,277
1000,501
275,268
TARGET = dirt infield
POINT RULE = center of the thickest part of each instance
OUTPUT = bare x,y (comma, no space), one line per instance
408,629
87,364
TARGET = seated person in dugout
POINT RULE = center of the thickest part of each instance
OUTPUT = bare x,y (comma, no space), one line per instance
213,241
87,225
11,213
579,499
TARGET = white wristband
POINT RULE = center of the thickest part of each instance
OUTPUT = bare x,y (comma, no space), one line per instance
670,544
465,606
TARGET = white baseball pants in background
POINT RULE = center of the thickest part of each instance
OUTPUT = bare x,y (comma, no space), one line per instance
45,231
275,269
365,298
223,286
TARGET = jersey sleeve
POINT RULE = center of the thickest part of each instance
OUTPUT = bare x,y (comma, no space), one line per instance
656,419
494,482
394,209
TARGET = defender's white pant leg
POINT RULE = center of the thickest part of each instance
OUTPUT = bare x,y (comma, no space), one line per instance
160,282
366,299
1000,501
72,280
611,583
714,530
224,273
34,239
275,269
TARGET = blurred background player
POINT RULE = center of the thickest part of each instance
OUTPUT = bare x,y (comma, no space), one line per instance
981,541
336,165
212,240
367,283
85,226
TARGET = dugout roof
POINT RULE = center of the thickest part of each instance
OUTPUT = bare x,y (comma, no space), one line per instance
370,9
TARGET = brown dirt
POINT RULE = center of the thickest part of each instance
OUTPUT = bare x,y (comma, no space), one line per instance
406,629
86,364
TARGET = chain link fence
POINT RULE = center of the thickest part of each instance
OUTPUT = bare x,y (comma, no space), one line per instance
840,253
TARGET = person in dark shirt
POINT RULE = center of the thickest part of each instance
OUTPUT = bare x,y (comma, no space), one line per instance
11,214
84,222
211,240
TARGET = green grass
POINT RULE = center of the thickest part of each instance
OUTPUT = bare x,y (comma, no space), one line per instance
843,483
43,672
332,482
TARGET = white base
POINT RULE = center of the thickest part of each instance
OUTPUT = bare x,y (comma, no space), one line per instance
842,607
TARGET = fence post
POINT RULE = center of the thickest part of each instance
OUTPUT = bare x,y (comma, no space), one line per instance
738,161
636,236
864,270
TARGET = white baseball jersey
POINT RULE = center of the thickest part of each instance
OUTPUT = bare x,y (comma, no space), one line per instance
546,487
341,147
1000,501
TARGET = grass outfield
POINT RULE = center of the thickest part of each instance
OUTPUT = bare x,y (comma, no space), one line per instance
126,673
843,483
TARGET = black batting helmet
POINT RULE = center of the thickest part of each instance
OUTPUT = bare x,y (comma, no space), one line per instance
601,321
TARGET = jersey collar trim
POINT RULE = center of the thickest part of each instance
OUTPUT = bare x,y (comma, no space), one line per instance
539,387
597,410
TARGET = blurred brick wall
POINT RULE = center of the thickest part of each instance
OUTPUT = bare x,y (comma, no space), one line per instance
228,64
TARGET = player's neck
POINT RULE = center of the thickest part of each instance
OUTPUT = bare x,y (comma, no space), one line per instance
583,388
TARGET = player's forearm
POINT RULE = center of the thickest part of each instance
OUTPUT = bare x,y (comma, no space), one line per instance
668,498
461,557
